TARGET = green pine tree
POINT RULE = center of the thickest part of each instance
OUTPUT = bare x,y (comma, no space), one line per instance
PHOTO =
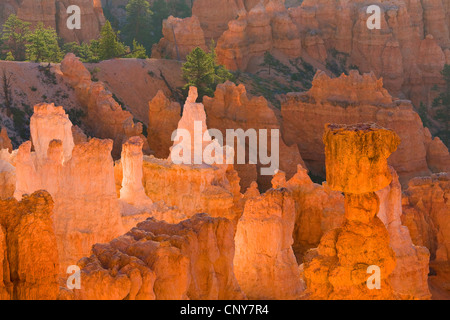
202,71
14,37
43,45
109,46
138,51
138,23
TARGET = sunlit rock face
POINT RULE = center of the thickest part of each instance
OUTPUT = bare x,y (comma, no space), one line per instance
164,116
180,37
265,266
410,277
157,260
425,213
28,249
337,269
105,118
80,179
318,209
357,98
256,31
231,109
53,13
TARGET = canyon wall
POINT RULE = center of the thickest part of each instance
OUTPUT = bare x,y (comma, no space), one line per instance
356,98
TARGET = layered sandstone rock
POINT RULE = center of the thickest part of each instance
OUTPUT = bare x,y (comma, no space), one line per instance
232,109
53,13
410,276
261,29
105,118
338,268
80,179
157,260
425,213
28,249
265,266
164,116
318,210
356,98
5,142
180,37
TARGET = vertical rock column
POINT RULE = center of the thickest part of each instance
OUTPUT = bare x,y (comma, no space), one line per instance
356,162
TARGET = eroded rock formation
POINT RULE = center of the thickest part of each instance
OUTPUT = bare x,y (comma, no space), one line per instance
265,266
410,277
105,118
356,159
28,252
157,260
357,98
79,177
180,37
231,108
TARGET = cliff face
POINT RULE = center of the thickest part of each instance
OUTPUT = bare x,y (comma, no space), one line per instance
79,177
353,98
28,252
157,260
53,13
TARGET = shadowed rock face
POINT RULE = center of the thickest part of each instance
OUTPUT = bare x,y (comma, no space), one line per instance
29,264
337,269
157,260
53,13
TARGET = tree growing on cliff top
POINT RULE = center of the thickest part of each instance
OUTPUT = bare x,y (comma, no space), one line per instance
202,71
43,45
14,37
109,46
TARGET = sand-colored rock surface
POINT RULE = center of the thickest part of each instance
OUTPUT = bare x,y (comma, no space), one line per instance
338,268
232,108
180,37
164,116
53,13
425,213
105,118
349,99
318,209
28,249
5,142
157,260
261,29
80,179
266,267
410,277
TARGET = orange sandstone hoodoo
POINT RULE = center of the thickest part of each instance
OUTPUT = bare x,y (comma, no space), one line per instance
356,161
